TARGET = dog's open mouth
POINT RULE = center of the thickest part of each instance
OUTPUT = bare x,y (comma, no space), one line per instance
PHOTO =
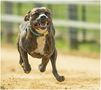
43,24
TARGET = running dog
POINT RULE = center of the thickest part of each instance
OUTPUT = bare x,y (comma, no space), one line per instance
36,38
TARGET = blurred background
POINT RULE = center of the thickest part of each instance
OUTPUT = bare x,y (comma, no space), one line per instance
76,24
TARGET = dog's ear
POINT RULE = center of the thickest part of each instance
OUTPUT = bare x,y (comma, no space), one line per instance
49,10
27,16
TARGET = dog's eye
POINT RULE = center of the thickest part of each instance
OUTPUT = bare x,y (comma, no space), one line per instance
37,14
47,13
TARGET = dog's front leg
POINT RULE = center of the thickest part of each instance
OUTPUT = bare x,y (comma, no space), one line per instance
42,66
53,62
26,66
20,61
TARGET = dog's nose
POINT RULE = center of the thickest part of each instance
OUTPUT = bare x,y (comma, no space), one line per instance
43,17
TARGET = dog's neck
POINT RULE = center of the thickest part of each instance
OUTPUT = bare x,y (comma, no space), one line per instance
42,32
38,32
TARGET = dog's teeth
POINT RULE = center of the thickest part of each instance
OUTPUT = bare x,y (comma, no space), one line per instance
43,25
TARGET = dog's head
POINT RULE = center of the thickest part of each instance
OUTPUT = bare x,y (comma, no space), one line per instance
39,18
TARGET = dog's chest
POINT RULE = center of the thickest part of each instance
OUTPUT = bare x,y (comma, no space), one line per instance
40,45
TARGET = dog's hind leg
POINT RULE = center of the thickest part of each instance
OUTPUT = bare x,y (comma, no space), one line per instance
42,66
54,70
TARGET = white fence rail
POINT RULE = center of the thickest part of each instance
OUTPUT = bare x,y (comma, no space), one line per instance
65,23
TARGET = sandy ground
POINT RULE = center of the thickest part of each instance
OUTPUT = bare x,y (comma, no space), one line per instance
80,73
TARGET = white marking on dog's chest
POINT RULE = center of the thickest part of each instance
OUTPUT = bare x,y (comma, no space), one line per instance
40,45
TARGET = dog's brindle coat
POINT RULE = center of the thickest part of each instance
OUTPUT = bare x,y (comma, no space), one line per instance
36,38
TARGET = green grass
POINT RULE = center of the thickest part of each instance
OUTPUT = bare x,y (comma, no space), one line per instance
2,8
93,14
62,42
62,45
59,11
24,8
85,47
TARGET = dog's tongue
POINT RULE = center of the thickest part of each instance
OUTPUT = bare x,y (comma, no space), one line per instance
43,24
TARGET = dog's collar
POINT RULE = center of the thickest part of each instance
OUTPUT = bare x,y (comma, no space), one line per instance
35,33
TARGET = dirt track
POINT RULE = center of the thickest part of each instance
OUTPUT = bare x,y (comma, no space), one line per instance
80,73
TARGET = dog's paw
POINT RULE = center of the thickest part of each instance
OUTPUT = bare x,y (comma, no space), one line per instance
60,78
42,68
27,69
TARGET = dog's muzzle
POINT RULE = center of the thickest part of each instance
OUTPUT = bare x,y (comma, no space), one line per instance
42,17
42,21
